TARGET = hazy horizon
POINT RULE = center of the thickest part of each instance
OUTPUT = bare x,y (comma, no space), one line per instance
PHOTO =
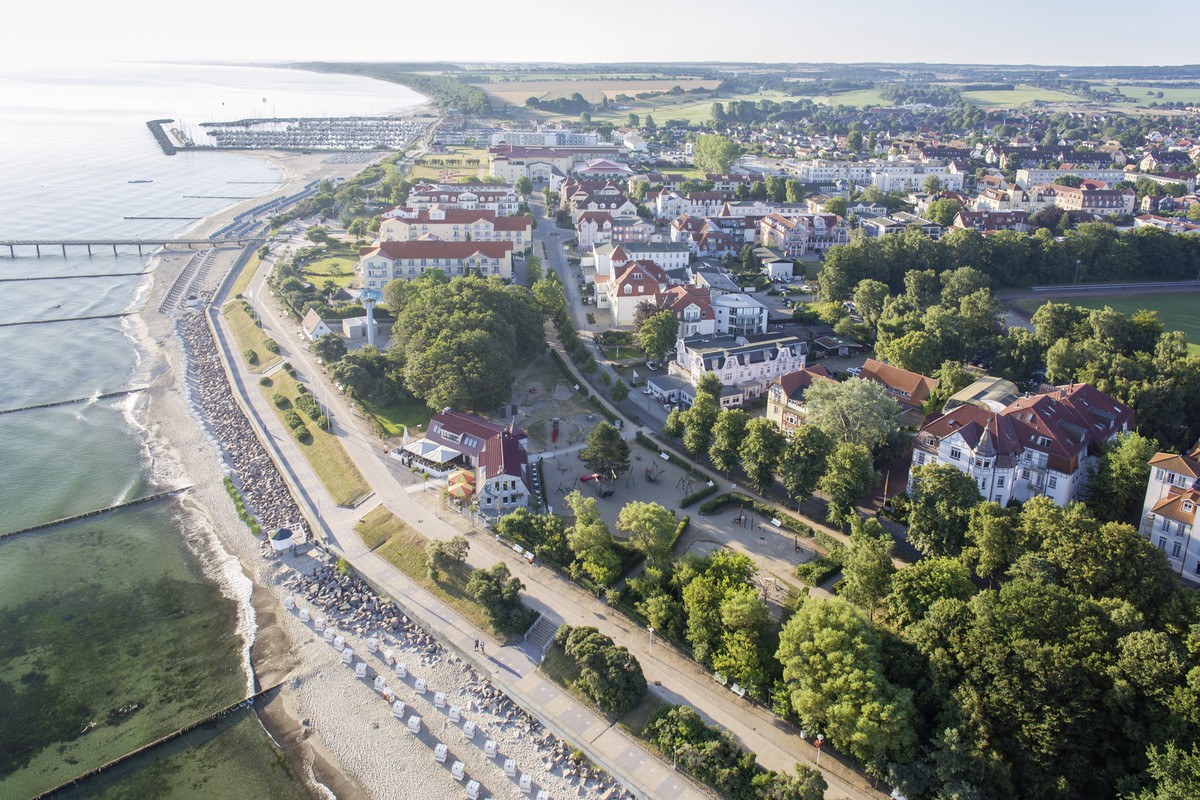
74,32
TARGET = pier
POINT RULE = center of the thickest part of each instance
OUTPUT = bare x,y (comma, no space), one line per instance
150,498
140,244
75,400
159,742
74,277
64,319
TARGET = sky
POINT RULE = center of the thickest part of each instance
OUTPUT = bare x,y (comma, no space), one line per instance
64,32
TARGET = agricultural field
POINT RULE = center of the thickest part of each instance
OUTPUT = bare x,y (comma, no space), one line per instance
517,92
1019,96
1140,96
1176,310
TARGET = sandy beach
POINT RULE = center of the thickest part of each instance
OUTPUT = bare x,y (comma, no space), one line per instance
336,727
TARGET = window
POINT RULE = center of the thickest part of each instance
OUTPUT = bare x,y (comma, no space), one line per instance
1166,525
1000,482
1053,482
920,458
1176,549
1162,543
983,484
996,498
955,453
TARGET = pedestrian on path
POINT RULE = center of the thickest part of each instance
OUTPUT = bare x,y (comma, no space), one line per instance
476,645
481,648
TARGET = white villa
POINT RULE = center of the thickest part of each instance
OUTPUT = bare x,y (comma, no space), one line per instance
1038,445
1169,511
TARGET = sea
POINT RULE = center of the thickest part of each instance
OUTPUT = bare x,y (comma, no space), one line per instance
112,631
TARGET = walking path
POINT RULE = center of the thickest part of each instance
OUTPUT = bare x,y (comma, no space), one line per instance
672,676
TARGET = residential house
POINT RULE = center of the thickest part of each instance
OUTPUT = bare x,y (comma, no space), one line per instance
785,398
1039,444
746,366
1163,160
774,265
510,162
739,314
388,261
502,475
1169,224
796,235
1169,510
1032,177
692,306
911,389
632,283
314,327
988,221
633,230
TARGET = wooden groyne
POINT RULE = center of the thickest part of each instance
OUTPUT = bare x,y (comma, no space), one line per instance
73,277
74,400
150,498
159,742
64,319
160,136
237,239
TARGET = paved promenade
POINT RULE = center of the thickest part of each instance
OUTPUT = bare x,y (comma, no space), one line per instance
672,676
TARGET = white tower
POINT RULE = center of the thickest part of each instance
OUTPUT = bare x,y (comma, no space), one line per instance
371,298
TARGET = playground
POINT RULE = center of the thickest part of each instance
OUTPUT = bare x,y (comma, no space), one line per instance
554,414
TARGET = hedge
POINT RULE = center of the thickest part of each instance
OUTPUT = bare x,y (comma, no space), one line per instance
786,521
308,404
280,401
815,572
697,496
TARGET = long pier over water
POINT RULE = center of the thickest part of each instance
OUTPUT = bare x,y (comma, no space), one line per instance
140,244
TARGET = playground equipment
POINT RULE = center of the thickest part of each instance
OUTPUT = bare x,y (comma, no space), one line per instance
554,431
603,486
653,471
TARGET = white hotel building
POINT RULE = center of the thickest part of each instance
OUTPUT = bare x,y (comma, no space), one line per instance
1169,511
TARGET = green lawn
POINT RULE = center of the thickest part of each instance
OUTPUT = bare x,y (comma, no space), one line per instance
1176,310
248,336
337,268
392,419
450,172
1019,96
323,451
245,276
404,549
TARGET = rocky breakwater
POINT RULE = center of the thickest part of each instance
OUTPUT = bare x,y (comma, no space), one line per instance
211,400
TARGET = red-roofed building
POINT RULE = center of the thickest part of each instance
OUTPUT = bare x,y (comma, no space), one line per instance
630,284
1169,510
388,261
593,228
457,225
911,389
1038,445
458,440
785,397
503,200
693,308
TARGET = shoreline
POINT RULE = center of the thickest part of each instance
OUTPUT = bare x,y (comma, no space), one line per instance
219,540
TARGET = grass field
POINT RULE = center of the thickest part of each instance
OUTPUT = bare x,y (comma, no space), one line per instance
248,336
1177,310
404,549
245,276
323,451
685,107
1138,93
339,269
1019,96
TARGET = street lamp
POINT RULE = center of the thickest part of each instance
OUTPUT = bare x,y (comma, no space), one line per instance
819,743
1077,263
651,629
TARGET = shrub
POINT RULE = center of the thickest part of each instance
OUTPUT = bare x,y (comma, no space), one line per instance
292,419
308,404
609,675
323,422
272,346
251,357
816,571
280,401
265,381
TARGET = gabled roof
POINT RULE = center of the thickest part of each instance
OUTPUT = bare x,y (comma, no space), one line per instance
1179,464
1179,504
793,384
311,321
913,387
503,454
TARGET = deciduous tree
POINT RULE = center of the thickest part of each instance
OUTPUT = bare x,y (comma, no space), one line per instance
607,453
940,508
804,460
729,433
848,476
855,411
761,451
651,528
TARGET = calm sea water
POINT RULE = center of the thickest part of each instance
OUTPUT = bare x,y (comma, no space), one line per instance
112,634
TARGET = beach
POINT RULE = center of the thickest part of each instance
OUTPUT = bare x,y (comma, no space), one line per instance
337,728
